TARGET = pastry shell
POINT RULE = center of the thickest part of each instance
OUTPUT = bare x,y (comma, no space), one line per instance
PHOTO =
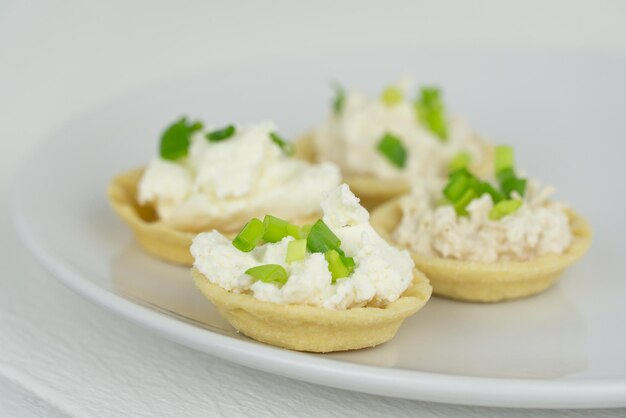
488,282
156,237
312,328
373,191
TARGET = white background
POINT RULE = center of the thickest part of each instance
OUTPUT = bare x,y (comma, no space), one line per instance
59,355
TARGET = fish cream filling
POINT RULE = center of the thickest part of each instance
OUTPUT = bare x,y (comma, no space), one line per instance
382,272
350,140
539,227
223,184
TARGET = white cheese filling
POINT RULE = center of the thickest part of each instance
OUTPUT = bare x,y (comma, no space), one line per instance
381,275
350,140
539,227
223,184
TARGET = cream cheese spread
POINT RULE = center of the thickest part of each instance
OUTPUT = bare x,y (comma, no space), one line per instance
382,272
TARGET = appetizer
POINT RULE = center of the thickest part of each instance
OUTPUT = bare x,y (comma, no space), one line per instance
331,285
486,241
384,144
206,179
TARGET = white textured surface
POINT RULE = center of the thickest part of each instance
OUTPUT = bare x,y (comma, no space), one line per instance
59,355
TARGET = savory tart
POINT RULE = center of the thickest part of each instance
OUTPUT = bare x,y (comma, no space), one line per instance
384,144
328,286
205,179
482,242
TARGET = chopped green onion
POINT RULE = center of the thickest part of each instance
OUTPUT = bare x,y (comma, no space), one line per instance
295,231
286,146
504,158
175,139
196,126
463,186
504,208
430,111
321,239
276,229
269,273
457,186
221,134
296,250
513,184
304,230
335,265
460,172
248,238
392,148
461,160
392,96
506,174
485,187
461,203
340,99
348,262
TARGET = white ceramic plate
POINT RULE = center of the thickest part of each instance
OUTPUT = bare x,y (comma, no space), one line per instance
563,112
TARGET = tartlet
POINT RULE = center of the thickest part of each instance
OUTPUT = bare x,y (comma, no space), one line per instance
311,328
488,282
155,236
170,240
500,262
330,286
384,145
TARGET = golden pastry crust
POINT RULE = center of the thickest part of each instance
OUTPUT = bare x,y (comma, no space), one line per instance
311,328
488,282
156,237
373,191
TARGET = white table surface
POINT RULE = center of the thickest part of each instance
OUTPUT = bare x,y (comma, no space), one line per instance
61,355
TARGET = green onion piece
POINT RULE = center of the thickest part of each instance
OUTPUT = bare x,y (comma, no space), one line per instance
321,239
506,174
287,147
175,140
485,187
431,112
276,229
335,265
457,186
196,126
248,238
392,96
504,158
305,230
392,148
295,231
296,250
221,134
504,208
461,160
348,262
340,99
269,273
464,201
513,184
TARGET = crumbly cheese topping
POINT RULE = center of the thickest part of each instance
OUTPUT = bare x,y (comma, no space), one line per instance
381,275
539,227
350,140
223,184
